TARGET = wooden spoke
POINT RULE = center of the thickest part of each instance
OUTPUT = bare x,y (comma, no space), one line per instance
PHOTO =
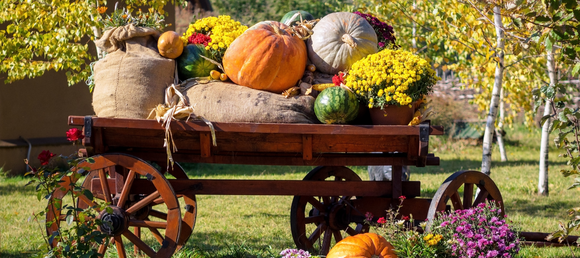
337,235
157,201
86,200
147,224
351,231
318,205
317,233
316,220
483,194
448,193
157,235
456,201
126,189
105,186
120,247
143,203
158,214
326,241
467,195
139,243
137,231
103,247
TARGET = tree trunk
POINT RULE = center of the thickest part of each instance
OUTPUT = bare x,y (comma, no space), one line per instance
543,173
497,85
414,39
499,129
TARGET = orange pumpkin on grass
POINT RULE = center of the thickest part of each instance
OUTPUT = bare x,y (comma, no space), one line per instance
367,245
266,57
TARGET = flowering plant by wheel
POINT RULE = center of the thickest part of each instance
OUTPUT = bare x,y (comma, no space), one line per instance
402,233
391,77
215,33
477,232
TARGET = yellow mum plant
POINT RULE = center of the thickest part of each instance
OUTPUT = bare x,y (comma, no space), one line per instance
391,77
215,33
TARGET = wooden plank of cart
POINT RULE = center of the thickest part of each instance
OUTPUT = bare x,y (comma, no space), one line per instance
328,204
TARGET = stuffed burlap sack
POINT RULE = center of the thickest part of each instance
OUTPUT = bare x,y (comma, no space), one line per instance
131,79
227,102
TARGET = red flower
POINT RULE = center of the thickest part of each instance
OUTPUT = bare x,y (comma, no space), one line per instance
74,134
382,220
402,197
44,157
338,79
198,38
405,217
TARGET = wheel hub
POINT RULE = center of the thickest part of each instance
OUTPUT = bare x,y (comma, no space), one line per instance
338,218
114,223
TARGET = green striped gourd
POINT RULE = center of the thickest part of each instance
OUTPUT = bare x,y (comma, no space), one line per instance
336,105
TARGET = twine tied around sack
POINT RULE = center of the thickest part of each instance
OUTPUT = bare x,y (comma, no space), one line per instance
176,107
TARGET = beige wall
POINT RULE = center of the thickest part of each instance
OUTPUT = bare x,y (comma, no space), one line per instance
37,110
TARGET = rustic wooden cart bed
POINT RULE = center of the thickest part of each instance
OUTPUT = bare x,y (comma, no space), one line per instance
328,204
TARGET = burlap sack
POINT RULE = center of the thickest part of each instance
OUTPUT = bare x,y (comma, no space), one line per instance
227,102
131,79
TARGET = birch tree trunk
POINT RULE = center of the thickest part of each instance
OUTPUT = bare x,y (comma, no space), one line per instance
414,39
495,94
499,128
543,173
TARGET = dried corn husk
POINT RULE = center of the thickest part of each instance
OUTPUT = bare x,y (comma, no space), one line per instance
176,107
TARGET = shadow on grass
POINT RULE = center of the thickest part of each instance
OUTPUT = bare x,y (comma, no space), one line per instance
534,208
11,189
203,169
454,165
222,244
16,254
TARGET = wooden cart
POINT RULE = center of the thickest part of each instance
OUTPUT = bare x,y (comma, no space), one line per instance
328,204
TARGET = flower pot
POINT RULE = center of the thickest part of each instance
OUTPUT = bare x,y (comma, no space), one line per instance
392,115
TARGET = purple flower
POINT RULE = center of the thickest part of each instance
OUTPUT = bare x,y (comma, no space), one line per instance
492,253
385,33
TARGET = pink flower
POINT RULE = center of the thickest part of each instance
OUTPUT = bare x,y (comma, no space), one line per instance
74,134
44,157
402,197
381,220
369,216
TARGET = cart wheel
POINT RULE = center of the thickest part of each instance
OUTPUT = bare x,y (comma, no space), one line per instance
449,198
189,213
317,222
129,210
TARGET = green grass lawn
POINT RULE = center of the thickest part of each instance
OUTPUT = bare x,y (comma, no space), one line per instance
258,226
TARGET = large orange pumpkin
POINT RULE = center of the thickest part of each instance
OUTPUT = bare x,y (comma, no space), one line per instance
266,57
363,245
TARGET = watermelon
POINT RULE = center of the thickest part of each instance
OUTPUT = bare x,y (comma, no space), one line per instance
336,105
306,16
190,64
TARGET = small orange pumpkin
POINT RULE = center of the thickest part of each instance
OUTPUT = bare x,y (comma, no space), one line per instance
266,57
170,45
368,245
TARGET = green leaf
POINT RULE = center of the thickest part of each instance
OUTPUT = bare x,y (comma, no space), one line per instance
544,119
563,118
576,14
576,69
70,219
571,4
543,19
